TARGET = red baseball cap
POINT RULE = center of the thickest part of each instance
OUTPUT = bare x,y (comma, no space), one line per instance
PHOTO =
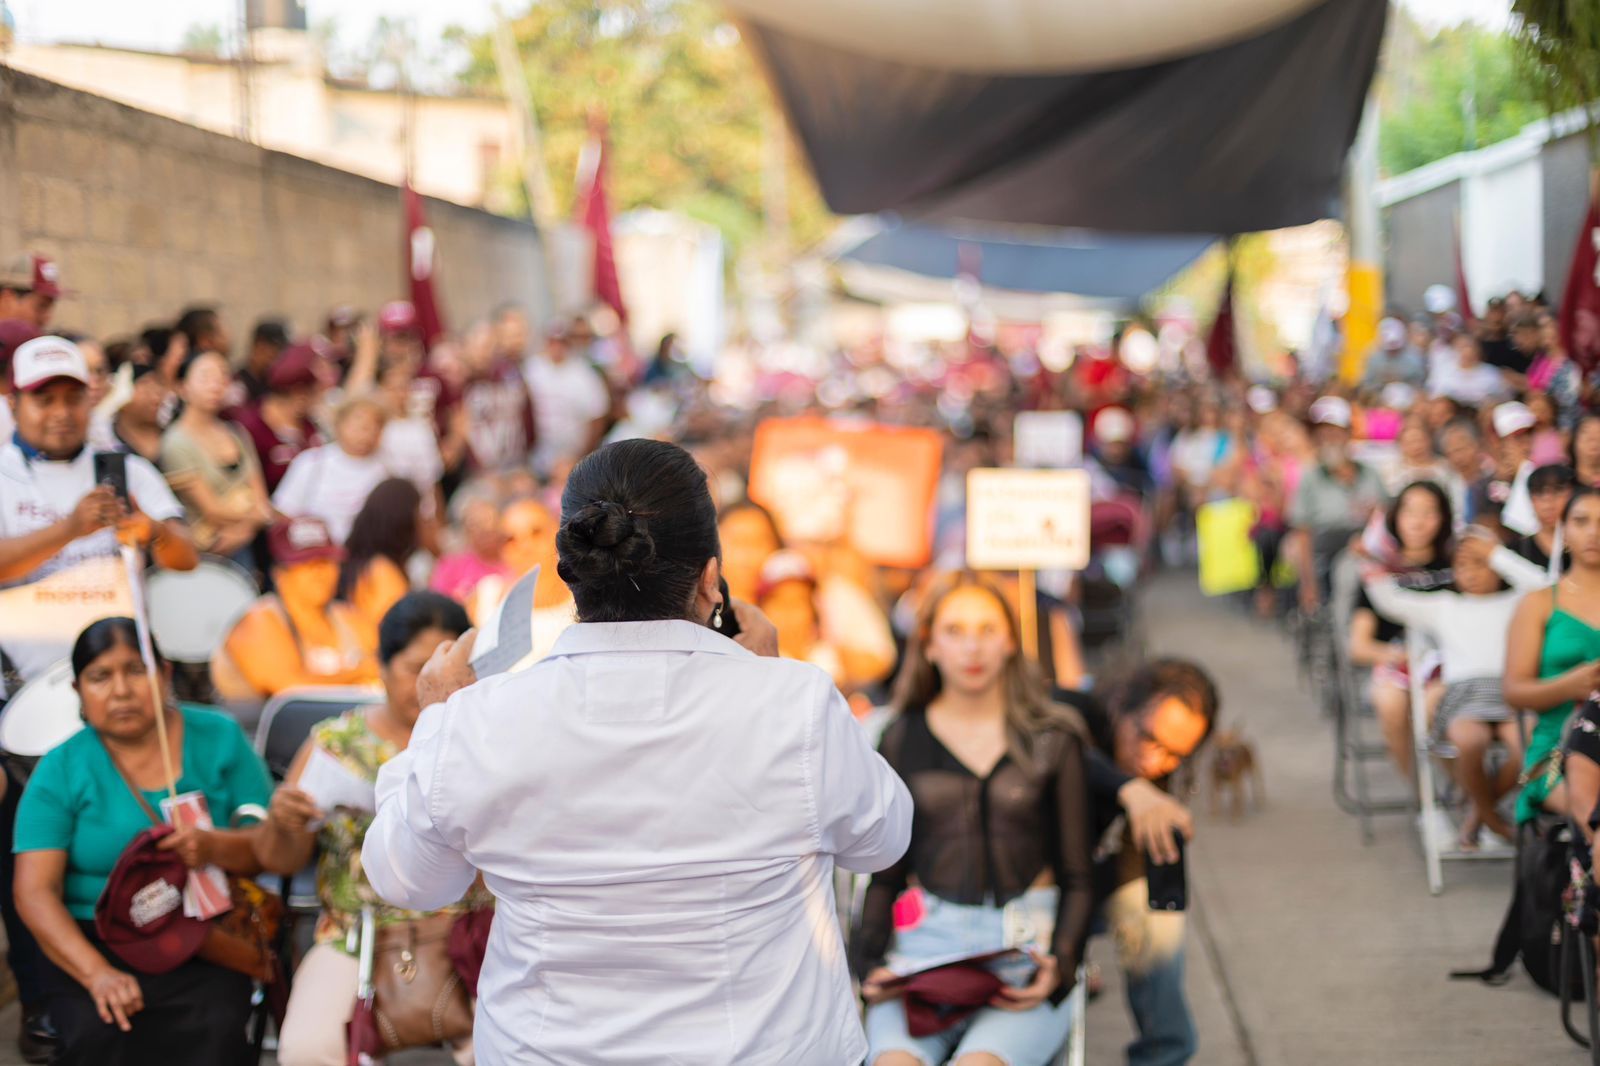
299,366
14,333
140,915
302,540
397,316
33,273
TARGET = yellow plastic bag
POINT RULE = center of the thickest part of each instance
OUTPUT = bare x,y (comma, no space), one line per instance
1229,561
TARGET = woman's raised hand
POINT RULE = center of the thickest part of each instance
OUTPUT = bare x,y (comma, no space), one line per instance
448,671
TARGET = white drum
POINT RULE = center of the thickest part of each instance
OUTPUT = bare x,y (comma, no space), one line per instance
191,611
43,714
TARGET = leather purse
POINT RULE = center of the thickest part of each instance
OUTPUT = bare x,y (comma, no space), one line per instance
419,999
242,938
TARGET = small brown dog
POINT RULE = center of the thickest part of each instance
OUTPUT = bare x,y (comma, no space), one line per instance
1233,762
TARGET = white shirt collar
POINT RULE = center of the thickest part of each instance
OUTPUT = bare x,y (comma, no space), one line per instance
588,638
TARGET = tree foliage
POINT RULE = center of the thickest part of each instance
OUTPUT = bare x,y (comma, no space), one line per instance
1451,91
1560,40
686,107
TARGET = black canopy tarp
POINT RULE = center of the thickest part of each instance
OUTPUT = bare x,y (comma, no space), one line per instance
1117,267
1247,136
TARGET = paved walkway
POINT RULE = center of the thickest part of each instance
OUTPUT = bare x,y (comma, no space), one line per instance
1307,947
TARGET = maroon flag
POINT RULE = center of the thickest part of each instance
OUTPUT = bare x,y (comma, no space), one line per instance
593,212
1222,347
1580,304
1463,294
421,260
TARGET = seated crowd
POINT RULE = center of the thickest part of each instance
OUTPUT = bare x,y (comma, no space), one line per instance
382,494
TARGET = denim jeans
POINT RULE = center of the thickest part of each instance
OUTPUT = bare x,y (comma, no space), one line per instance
949,930
1150,952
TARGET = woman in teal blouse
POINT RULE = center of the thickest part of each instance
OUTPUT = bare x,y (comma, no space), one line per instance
75,818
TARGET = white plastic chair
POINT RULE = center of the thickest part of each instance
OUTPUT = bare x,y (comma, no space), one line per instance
1435,852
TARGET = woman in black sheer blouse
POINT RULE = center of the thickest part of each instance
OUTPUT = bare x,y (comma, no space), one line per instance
1000,842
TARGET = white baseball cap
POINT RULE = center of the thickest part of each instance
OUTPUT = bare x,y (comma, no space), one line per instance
1113,426
1438,299
1513,417
1331,411
1261,399
44,359
1392,334
1398,396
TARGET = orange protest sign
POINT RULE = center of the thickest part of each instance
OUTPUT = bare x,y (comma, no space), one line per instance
867,485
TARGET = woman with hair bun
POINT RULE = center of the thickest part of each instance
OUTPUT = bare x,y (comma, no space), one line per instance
657,809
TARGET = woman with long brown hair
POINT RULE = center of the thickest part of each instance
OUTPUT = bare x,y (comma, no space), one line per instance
1000,845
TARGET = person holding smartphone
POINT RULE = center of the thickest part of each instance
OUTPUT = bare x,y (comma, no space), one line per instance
56,517
1160,715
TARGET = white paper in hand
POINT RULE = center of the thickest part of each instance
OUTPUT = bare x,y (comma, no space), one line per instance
331,784
506,637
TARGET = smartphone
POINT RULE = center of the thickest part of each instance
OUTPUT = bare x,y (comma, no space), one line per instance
1169,884
111,468
730,620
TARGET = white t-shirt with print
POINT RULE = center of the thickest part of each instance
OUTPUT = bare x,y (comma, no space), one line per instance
567,397
36,494
329,484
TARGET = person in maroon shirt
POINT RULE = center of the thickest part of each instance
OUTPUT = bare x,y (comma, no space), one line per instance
280,425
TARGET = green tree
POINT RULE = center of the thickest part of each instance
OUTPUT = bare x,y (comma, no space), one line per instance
1560,42
203,39
1452,91
685,105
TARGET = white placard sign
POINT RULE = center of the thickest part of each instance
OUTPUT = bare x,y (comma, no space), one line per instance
1027,519
1048,439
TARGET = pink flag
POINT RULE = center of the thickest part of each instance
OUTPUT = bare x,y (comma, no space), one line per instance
421,260
1580,304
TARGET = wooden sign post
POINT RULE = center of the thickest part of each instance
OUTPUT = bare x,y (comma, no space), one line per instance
1028,520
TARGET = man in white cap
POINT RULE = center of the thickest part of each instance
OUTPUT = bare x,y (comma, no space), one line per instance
1335,498
1502,499
53,517
52,514
1393,360
1115,454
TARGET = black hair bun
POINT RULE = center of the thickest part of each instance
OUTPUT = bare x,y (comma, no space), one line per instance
604,542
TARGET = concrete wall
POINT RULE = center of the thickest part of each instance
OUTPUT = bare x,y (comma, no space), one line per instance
145,215
1566,200
1420,237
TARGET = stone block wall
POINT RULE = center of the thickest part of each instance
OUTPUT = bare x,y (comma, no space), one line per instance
146,215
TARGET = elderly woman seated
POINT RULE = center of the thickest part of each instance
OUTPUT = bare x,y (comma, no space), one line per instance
126,998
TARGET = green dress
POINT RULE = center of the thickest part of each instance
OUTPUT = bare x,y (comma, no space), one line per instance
1568,642
342,885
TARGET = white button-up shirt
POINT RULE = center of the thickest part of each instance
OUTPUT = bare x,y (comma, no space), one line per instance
659,813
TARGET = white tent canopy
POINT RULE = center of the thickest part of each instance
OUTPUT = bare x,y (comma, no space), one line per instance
1022,36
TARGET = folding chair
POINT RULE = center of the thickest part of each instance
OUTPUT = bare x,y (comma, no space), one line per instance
1078,1005
1354,749
286,721
1436,797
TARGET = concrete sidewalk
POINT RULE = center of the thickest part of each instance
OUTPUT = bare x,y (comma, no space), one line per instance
1307,947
